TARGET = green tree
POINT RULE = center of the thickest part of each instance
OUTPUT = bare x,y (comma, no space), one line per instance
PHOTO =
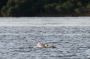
46,8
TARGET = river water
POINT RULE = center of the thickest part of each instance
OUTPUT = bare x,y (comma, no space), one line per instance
72,42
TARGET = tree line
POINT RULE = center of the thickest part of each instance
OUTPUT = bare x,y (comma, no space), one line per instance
32,8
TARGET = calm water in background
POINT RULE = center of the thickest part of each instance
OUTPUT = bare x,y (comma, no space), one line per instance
19,42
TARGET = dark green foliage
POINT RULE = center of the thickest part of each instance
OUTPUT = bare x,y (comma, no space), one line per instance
45,8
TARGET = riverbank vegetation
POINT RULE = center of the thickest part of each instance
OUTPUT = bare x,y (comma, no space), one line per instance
44,8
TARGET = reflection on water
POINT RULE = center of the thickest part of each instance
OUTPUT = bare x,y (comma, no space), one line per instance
20,42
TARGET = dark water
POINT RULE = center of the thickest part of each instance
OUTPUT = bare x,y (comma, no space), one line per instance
70,42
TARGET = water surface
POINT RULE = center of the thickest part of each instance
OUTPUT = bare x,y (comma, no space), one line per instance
19,42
